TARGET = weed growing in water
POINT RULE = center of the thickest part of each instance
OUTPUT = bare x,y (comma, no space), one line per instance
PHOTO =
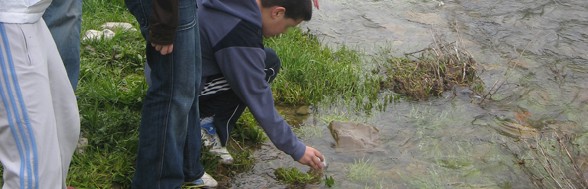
551,161
308,131
329,181
431,71
293,176
362,171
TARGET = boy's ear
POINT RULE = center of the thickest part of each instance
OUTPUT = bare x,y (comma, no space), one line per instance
278,12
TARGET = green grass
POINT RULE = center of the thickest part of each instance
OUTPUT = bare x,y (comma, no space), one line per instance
362,171
112,86
293,176
110,92
312,73
97,12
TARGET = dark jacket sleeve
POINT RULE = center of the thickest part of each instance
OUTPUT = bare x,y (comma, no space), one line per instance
243,67
163,22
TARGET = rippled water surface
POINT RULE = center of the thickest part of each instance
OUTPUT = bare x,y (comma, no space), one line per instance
534,56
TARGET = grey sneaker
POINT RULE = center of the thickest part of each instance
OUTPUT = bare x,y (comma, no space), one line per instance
206,181
209,136
210,139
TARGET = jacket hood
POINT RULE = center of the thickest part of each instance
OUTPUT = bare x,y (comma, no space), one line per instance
245,9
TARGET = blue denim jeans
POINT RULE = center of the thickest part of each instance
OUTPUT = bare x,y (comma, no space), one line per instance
64,18
169,143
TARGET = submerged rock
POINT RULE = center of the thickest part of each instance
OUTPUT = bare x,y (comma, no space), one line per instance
303,110
354,136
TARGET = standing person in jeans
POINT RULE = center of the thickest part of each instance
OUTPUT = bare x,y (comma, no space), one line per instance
39,119
237,69
64,19
169,139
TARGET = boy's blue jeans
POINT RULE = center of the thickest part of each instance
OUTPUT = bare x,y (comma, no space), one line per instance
169,135
64,18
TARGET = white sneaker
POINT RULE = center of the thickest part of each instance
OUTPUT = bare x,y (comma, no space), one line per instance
206,181
210,139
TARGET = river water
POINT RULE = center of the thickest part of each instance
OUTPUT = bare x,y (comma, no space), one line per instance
533,58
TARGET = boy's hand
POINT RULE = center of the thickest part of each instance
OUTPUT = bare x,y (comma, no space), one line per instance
313,158
163,49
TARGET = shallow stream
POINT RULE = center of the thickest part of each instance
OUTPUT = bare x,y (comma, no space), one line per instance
533,56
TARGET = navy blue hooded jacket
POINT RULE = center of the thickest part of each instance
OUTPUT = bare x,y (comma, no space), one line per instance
232,45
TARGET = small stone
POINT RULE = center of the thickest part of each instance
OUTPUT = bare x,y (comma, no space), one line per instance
108,34
118,25
98,35
82,144
92,35
354,136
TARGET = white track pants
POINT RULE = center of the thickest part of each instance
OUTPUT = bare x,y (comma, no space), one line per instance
39,118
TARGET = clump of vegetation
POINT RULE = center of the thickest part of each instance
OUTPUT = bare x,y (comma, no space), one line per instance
552,160
293,176
362,170
551,157
313,73
248,132
431,71
329,181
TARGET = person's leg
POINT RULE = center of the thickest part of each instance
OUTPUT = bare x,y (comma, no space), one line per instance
65,108
166,107
193,168
31,151
272,65
225,106
64,18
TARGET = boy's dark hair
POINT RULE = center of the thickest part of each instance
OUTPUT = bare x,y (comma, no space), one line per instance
295,9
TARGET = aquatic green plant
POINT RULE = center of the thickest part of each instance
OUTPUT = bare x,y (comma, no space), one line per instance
362,171
308,131
431,71
377,185
329,181
552,160
293,176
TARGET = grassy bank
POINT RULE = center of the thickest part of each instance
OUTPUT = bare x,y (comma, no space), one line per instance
112,86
